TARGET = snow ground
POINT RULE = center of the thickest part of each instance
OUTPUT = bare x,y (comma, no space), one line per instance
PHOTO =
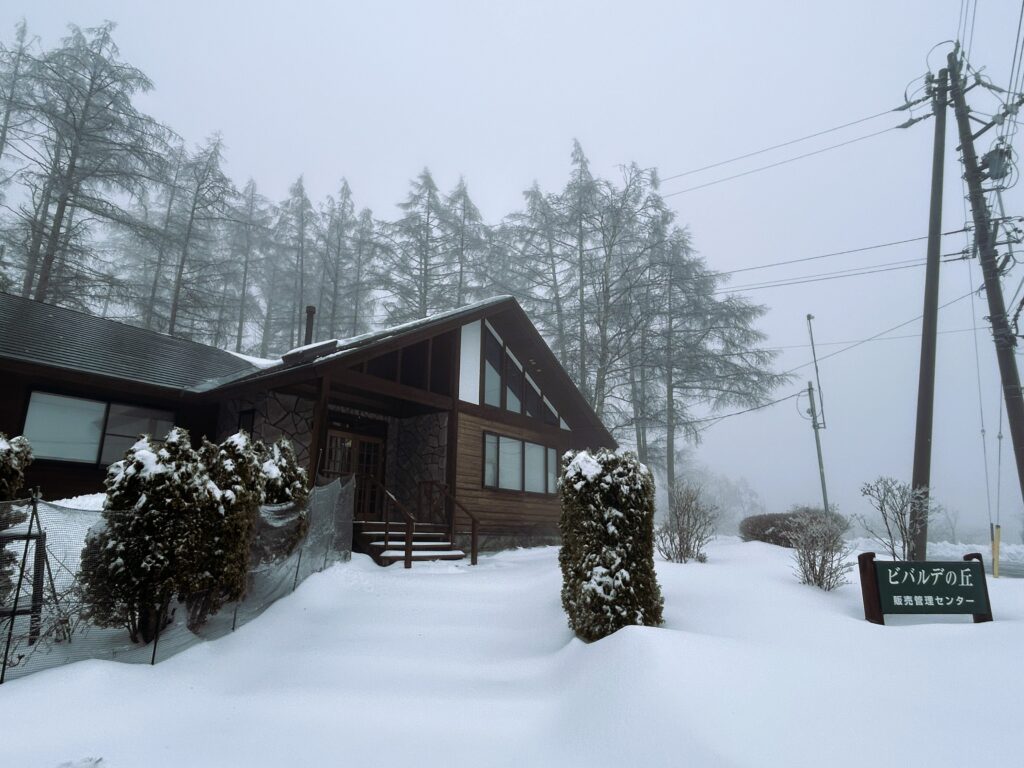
448,664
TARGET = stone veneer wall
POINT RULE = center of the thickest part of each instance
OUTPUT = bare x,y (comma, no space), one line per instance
277,416
417,449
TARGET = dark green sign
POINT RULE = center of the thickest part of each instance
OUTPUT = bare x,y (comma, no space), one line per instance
932,587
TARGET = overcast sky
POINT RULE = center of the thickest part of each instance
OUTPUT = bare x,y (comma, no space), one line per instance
376,91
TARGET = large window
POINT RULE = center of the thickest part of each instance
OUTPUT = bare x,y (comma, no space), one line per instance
67,428
88,431
494,356
507,384
519,465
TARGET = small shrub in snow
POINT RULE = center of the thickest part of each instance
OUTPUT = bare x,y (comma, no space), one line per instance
159,499
15,456
286,481
607,554
892,500
821,553
689,526
215,565
773,528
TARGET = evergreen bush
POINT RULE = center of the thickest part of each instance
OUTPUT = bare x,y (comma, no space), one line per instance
15,455
607,554
215,564
286,481
159,498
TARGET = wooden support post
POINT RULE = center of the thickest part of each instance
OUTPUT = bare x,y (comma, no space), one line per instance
473,552
318,438
38,584
981,617
869,588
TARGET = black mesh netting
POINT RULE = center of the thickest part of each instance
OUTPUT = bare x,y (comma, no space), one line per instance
42,618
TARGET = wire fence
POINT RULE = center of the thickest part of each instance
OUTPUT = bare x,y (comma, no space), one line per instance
44,622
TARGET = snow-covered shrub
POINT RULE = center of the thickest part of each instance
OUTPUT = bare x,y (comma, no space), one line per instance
286,481
15,456
158,500
607,555
215,565
688,527
820,552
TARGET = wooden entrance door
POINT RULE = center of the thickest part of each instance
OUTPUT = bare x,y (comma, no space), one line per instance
349,454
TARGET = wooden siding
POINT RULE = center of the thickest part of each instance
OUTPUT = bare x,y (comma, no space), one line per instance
502,510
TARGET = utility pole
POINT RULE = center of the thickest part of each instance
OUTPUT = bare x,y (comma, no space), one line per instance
1003,337
921,476
817,441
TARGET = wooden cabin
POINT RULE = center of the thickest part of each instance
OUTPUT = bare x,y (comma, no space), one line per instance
448,424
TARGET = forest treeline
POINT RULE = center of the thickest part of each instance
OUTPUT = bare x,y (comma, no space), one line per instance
107,210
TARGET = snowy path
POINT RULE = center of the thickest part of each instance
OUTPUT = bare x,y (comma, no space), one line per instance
452,665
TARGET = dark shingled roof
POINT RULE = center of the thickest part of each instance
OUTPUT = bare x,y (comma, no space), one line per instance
45,334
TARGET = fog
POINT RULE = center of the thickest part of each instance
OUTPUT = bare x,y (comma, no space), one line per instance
496,94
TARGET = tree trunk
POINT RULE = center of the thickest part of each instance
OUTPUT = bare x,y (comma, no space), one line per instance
180,272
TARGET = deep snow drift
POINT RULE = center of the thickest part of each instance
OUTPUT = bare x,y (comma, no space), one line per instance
448,664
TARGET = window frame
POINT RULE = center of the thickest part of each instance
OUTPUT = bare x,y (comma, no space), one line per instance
96,462
528,387
496,488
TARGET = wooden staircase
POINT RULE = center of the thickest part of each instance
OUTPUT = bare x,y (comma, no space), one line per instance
428,542
399,535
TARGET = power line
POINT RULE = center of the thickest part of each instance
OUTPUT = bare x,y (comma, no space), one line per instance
780,146
826,276
789,160
877,335
715,419
848,341
837,253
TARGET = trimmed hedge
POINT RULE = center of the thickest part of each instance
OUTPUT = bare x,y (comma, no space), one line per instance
778,528
607,554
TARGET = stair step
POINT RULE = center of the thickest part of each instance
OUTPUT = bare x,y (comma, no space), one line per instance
441,554
399,524
415,544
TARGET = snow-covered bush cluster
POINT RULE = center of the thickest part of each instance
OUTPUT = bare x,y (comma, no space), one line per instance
177,524
607,554
15,456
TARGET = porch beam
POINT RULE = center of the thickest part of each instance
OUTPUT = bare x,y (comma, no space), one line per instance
376,385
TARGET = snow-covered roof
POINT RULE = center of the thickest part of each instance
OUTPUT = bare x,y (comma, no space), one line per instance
47,335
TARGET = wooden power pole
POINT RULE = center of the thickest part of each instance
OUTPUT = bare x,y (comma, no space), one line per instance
984,238
921,477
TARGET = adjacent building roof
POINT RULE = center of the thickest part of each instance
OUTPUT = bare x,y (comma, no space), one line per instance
44,334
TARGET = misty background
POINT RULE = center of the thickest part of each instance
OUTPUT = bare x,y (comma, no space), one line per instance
496,95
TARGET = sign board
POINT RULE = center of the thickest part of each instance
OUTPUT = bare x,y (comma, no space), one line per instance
928,586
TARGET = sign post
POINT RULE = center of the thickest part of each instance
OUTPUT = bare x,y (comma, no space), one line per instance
923,587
